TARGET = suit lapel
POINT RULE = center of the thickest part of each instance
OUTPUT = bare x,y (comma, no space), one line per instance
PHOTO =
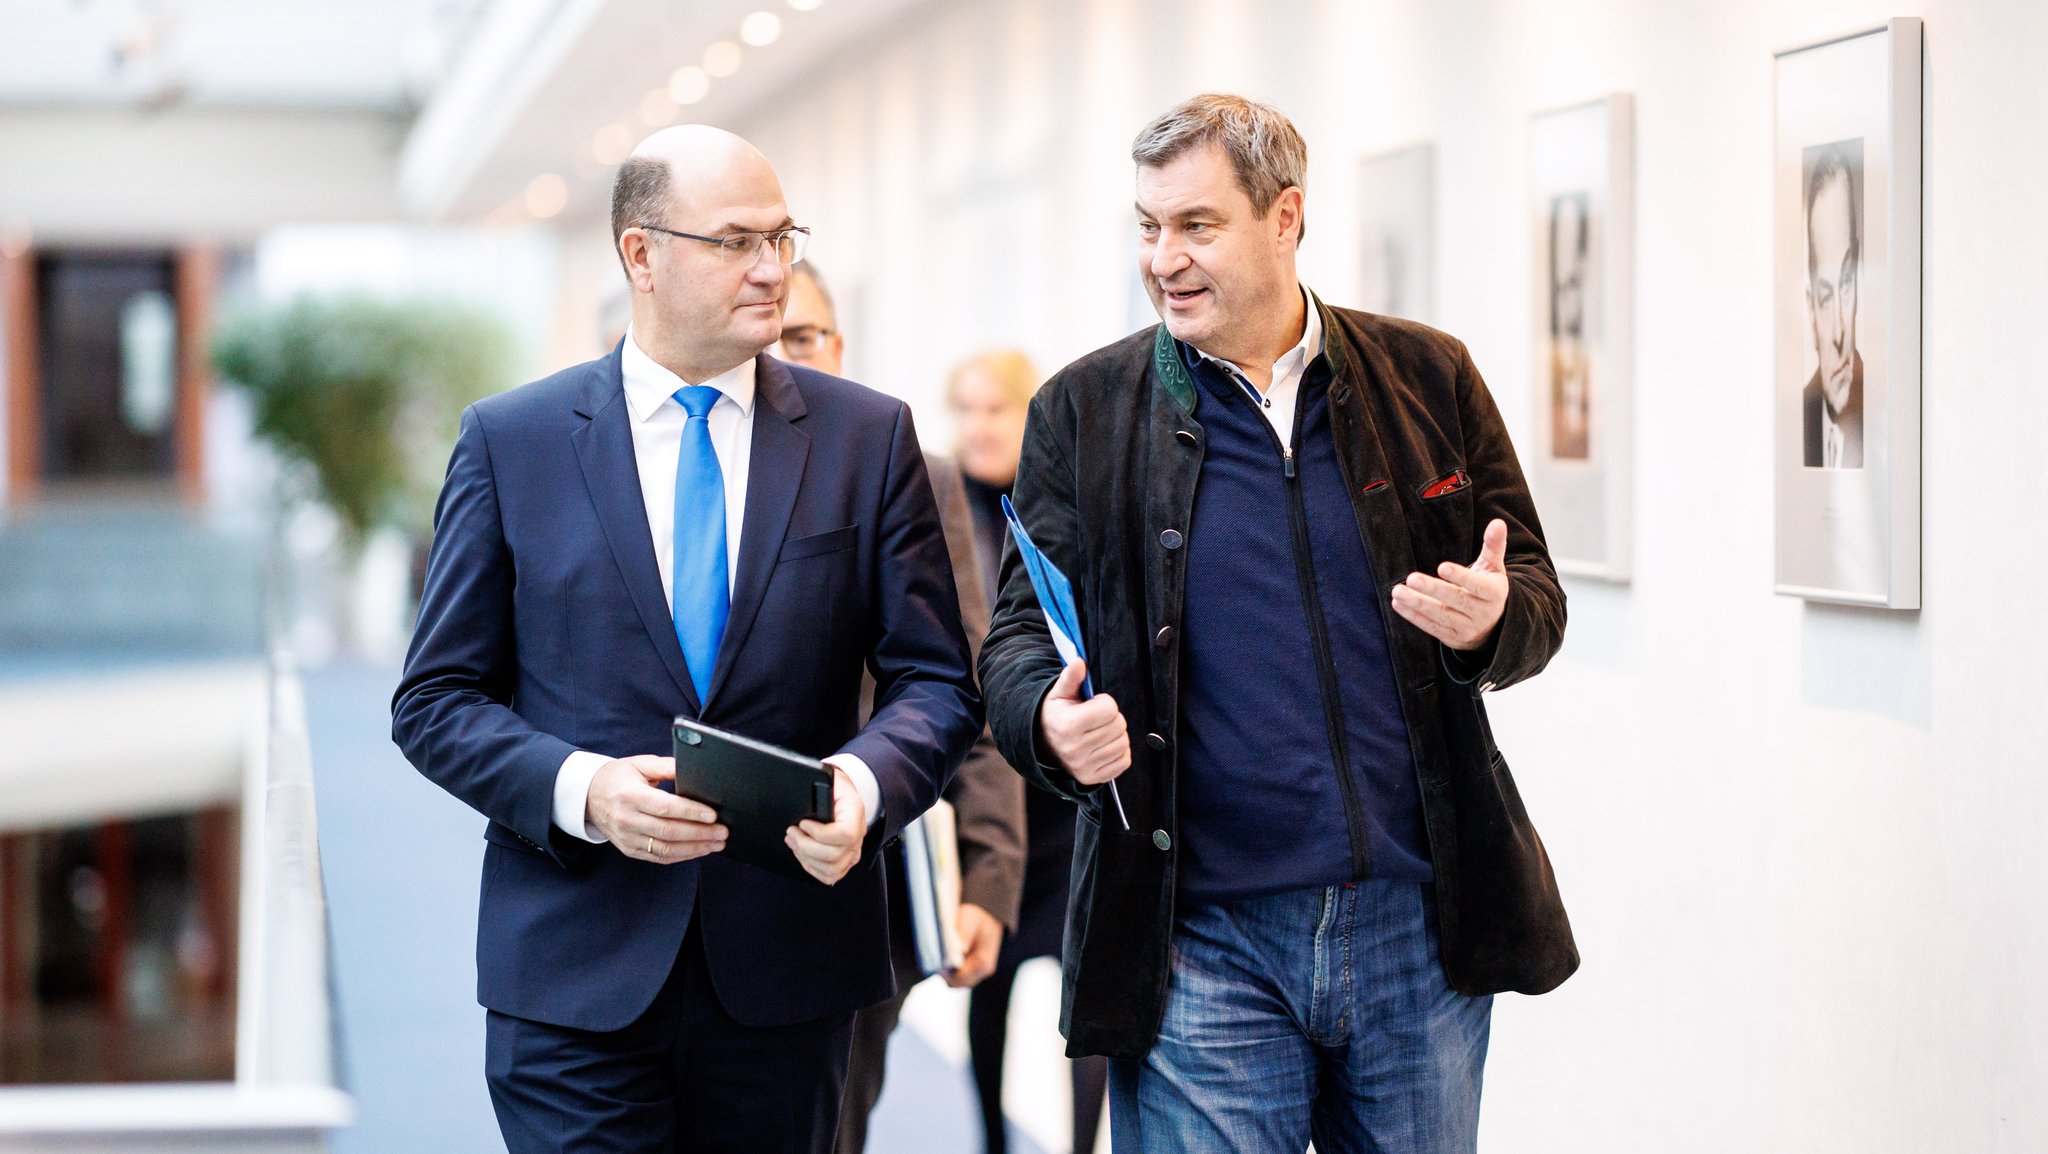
775,473
604,450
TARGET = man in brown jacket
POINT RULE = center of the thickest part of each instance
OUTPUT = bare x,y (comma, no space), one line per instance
1301,549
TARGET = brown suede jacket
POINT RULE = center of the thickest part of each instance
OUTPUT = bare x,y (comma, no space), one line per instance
1112,454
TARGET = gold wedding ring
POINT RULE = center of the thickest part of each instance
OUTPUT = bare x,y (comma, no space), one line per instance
650,847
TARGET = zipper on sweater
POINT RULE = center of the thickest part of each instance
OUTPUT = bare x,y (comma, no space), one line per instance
1326,664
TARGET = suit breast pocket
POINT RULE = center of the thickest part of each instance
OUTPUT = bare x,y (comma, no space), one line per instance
814,583
818,544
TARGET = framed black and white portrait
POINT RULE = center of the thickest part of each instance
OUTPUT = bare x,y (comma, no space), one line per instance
1397,255
1846,399
1582,223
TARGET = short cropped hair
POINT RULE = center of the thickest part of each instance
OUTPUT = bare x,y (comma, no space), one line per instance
809,272
1266,154
639,195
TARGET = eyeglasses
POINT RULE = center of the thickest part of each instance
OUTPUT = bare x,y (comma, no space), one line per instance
803,340
787,243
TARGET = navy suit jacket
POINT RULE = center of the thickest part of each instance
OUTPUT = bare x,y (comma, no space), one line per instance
543,629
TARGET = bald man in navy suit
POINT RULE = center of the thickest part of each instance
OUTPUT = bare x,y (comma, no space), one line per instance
685,527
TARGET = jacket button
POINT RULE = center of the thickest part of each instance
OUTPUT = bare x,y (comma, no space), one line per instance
1171,538
1164,637
1155,741
1185,437
1160,839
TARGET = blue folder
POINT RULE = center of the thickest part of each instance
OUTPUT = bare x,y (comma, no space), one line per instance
1056,600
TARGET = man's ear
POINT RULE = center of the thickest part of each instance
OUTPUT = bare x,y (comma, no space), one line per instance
637,253
1287,214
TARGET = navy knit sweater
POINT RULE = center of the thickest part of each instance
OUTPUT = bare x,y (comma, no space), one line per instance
1294,762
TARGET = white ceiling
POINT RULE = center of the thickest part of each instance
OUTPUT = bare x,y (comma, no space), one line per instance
542,78
295,54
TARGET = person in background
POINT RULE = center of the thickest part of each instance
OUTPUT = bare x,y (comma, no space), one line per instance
989,395
987,797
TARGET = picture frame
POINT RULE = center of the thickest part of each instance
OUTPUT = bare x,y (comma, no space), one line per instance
1397,233
1582,233
1846,394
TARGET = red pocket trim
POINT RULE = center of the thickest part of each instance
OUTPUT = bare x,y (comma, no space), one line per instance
1445,485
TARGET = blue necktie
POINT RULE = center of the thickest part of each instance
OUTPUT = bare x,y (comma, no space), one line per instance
701,598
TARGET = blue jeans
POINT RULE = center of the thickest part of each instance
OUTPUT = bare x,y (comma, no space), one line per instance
1314,1014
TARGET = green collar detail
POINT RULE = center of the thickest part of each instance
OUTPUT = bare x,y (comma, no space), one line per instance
1173,372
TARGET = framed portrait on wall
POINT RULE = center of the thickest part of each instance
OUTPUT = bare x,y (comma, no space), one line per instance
1846,399
1397,253
1582,235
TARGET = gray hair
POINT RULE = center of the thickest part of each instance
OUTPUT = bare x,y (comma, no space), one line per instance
1267,155
809,272
639,194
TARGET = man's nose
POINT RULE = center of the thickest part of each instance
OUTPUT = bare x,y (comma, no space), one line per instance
1168,258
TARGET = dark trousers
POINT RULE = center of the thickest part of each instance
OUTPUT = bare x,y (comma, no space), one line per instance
988,1029
871,1030
683,1078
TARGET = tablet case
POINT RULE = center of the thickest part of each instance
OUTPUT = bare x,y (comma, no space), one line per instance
758,789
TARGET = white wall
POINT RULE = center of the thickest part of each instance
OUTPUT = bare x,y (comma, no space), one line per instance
1801,844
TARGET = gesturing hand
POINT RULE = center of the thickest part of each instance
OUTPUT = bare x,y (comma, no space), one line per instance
1087,738
1460,605
828,850
648,823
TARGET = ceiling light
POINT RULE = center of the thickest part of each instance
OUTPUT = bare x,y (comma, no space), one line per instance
546,195
722,59
805,5
689,85
613,144
657,108
761,29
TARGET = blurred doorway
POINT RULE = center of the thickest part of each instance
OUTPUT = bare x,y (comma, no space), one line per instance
107,374
108,347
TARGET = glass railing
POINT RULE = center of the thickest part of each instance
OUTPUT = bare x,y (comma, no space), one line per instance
164,974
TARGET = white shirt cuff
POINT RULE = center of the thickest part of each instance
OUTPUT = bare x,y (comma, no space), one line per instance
572,794
864,783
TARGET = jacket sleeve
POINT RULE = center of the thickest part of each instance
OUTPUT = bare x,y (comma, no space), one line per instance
1018,661
987,798
927,711
1532,626
453,714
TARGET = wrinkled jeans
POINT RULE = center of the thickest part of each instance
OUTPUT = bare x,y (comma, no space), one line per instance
1315,1014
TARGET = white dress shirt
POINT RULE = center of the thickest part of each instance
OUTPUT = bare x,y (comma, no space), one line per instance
657,421
1277,402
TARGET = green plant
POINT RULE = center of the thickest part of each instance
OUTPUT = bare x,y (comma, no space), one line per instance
366,394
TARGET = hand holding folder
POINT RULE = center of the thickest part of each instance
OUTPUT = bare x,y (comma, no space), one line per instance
1056,601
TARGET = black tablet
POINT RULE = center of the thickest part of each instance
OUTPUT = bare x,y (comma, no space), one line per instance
758,789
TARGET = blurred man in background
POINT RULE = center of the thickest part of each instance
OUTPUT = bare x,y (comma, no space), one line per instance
1289,919
989,395
987,798
602,563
